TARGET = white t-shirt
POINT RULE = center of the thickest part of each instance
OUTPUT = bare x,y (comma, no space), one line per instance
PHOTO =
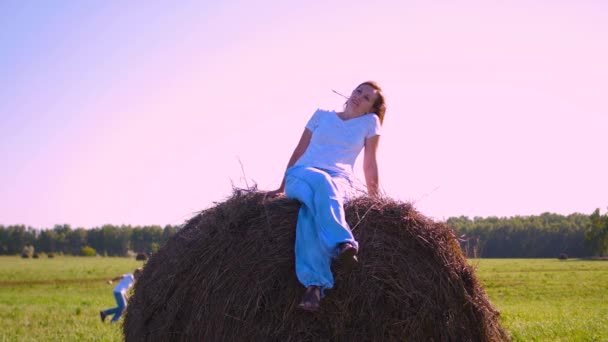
336,143
124,284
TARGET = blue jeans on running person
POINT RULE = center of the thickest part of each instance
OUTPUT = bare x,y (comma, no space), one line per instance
321,222
121,300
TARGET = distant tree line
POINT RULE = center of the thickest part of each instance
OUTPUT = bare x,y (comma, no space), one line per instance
107,240
544,236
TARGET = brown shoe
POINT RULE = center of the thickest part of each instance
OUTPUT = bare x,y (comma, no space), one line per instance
347,255
311,299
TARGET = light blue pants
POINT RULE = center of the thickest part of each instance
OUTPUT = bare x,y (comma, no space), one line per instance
321,222
121,301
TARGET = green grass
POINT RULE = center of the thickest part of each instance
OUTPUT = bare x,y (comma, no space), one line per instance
58,299
548,300
539,299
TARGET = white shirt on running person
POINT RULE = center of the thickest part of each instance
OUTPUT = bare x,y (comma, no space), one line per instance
336,143
125,283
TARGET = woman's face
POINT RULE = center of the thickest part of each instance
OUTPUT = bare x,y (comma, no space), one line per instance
362,99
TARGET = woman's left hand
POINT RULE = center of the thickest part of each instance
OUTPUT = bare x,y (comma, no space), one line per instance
274,194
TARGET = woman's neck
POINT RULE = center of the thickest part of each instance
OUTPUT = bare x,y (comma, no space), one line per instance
349,114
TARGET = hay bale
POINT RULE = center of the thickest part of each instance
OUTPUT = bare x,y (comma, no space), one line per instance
563,256
228,275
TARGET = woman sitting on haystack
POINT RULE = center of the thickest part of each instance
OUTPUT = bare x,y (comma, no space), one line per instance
320,175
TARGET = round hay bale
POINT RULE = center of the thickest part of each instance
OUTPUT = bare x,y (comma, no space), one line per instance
228,275
50,255
141,257
563,256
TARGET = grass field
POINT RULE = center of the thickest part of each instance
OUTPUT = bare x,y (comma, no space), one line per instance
58,299
539,299
547,299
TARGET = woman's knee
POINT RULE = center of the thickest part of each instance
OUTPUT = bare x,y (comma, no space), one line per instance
319,179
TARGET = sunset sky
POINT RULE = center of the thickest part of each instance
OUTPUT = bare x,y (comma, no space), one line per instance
142,112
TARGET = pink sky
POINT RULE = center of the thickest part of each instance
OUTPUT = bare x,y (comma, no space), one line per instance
140,113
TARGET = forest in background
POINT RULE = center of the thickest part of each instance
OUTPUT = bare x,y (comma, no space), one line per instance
544,236
107,240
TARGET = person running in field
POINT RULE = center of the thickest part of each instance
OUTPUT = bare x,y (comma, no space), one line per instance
320,175
125,282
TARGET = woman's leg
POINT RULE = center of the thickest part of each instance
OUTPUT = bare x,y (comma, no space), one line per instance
321,225
312,260
324,198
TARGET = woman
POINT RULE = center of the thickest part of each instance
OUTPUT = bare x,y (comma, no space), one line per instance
319,174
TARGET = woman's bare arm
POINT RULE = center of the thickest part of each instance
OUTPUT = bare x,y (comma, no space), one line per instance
370,165
297,153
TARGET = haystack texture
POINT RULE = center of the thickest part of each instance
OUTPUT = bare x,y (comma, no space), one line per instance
228,275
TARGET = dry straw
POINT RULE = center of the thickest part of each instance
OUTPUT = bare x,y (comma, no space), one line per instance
228,275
